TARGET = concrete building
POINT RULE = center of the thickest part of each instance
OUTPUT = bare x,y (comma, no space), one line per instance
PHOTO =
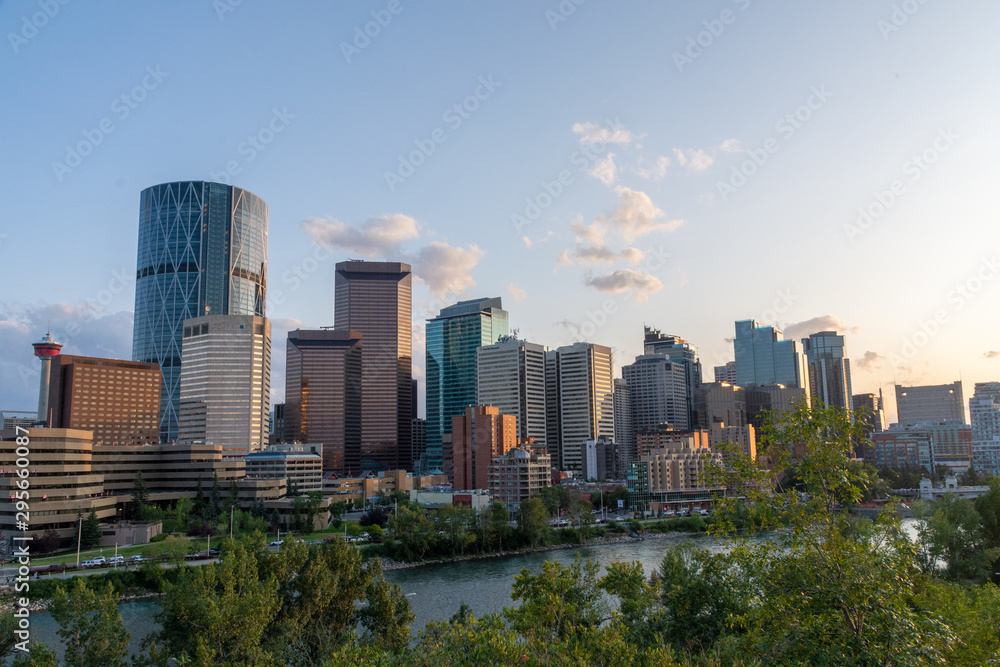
624,428
870,411
984,410
829,369
478,435
764,357
510,376
119,401
726,373
898,448
952,444
679,351
300,465
358,491
602,460
70,476
745,437
773,399
452,340
930,403
46,349
225,385
418,436
439,496
202,251
323,395
673,476
658,391
11,419
720,403
581,405
277,429
375,299
518,474
929,492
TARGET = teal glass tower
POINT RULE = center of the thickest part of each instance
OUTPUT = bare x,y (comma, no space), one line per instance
452,339
202,251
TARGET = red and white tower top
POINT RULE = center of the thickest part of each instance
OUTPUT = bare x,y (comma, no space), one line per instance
47,347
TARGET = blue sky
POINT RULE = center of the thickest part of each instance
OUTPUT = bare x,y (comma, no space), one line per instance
714,158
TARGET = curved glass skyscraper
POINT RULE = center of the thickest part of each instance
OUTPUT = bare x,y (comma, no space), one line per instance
202,251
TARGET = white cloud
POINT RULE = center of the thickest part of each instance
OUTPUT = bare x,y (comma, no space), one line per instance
599,254
446,269
624,280
605,170
593,233
694,159
374,237
870,361
731,146
636,215
992,354
612,134
516,293
816,324
657,171
528,241
81,329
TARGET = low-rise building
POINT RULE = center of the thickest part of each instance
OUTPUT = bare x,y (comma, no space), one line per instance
300,464
519,474
930,493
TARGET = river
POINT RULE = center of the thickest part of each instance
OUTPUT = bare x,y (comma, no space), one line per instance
436,592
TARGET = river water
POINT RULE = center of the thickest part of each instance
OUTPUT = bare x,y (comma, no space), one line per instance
436,592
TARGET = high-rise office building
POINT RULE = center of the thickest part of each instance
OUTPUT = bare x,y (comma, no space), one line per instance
323,400
375,299
477,436
726,373
202,251
869,410
658,390
772,399
510,375
720,403
930,403
581,377
764,357
226,382
624,428
984,410
680,351
829,369
452,339
118,400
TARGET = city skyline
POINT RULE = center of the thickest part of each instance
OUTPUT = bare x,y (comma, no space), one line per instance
545,184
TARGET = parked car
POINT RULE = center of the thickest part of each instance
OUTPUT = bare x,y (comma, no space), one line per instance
136,559
116,560
91,563
277,543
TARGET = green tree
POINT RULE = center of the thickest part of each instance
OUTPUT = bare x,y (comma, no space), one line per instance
559,601
8,624
173,549
831,588
387,615
39,655
198,507
951,531
90,625
533,522
413,531
217,613
91,536
140,499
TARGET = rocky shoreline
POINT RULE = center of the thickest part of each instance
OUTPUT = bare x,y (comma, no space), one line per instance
43,605
390,565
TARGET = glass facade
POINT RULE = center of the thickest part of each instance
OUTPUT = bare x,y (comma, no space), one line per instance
829,369
202,250
679,350
763,357
323,395
375,299
452,340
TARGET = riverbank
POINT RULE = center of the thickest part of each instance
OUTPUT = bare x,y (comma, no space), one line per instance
43,605
390,565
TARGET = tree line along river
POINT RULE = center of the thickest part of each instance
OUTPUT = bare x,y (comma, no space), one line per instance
436,592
